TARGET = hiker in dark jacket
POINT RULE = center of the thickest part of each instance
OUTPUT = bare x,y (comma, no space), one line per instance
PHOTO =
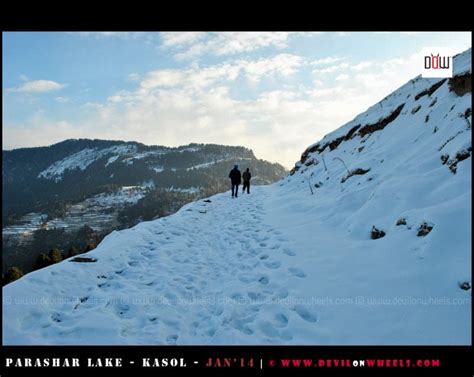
246,176
235,179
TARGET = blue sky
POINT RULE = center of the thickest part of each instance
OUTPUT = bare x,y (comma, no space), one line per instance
273,92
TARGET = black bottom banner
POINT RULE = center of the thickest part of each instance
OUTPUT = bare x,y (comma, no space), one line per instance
169,360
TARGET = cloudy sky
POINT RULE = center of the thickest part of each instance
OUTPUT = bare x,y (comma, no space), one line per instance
274,92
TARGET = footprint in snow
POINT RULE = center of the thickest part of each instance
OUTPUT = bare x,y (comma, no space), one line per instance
305,313
216,310
298,272
246,278
171,296
57,317
289,252
122,310
256,296
281,320
172,339
171,323
237,297
273,264
264,280
285,335
211,331
280,294
267,329
246,330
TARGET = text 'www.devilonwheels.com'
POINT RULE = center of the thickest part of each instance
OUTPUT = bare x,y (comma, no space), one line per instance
345,363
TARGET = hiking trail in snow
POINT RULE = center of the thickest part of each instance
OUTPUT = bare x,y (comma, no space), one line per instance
222,266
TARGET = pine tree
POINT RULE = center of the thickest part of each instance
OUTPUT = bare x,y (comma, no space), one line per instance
13,273
55,255
73,250
42,261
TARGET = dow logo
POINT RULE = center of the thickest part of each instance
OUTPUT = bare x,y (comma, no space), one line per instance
437,62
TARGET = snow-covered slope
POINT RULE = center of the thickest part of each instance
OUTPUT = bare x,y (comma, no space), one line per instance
294,262
81,160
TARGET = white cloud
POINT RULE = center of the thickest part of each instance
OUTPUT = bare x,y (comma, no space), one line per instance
327,60
40,132
193,45
231,43
180,39
362,65
282,64
37,86
198,104
62,99
24,78
197,78
162,78
148,38
342,77
133,77
110,34
194,104
332,68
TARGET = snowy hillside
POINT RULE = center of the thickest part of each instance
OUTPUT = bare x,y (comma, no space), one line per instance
367,241
81,160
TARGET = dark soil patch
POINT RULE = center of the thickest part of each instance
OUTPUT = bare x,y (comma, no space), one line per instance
83,260
376,233
416,109
430,90
401,221
467,113
424,230
381,124
357,171
460,156
461,84
465,285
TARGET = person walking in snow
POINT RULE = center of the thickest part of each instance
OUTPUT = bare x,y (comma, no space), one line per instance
246,176
235,179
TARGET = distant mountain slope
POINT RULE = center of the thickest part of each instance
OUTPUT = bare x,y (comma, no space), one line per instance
367,241
36,178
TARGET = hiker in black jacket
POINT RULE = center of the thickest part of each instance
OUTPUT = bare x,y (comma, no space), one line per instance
235,179
246,176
